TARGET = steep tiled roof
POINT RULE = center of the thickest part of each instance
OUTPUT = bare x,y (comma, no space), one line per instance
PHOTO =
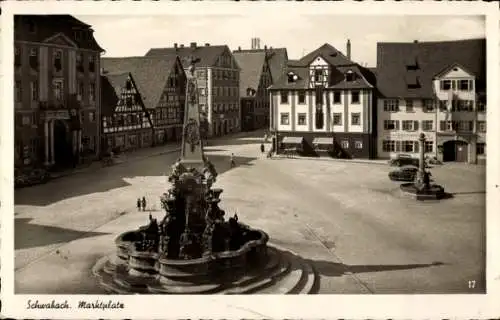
430,59
277,58
111,85
341,65
329,54
149,73
207,54
251,64
47,26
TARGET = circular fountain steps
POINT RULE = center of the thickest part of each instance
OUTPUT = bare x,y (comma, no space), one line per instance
284,273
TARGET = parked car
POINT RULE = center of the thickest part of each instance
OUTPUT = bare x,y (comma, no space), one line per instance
402,160
30,177
406,173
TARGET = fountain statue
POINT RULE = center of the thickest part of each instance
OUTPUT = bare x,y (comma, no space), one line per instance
421,188
193,249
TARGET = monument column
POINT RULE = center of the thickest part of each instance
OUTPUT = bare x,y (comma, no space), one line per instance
46,141
53,158
421,164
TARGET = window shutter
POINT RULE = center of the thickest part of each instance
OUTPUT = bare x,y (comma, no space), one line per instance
415,125
398,146
397,124
416,144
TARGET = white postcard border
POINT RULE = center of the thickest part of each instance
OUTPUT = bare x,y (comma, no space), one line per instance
256,306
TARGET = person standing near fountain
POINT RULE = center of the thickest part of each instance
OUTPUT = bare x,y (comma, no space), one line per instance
143,203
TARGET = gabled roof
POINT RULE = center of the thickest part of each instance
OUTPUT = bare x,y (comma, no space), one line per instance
207,54
149,73
47,26
450,67
251,66
365,79
329,54
277,58
111,86
432,58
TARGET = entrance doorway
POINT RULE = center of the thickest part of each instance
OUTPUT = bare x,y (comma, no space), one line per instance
63,154
455,150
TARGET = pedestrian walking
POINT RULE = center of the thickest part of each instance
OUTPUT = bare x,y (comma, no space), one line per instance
262,148
233,163
138,204
143,203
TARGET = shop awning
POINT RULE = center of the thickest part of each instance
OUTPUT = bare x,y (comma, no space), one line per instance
323,140
292,139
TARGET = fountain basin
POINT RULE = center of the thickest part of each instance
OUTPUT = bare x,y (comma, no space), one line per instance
217,268
434,192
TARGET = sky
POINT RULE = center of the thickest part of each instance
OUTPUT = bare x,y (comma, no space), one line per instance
134,35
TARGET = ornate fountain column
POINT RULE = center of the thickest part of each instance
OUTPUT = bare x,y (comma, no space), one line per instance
46,142
52,154
420,177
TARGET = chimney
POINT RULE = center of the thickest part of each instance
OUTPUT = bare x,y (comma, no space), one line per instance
207,44
239,48
257,43
348,49
175,45
193,45
265,47
253,44
182,46
415,41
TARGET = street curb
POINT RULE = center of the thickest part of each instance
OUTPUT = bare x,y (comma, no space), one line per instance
331,160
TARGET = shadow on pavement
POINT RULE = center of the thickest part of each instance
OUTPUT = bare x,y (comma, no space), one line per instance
112,177
232,142
28,235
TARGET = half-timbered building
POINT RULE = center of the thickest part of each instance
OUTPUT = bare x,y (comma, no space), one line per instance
160,85
126,123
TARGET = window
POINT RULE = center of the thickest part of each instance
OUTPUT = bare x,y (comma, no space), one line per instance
428,105
34,58
466,126
57,61
201,74
408,146
337,119
358,144
349,76
91,63
356,119
463,85
481,106
427,125
448,125
34,90
481,126
391,124
80,92
285,118
202,91
337,97
57,87
429,146
445,84
391,105
354,96
464,105
26,120
301,119
302,97
79,62
91,116
409,105
17,57
92,91
344,144
389,146
480,148
284,96
318,75
410,125
18,91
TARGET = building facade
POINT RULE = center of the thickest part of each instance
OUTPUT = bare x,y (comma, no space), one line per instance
57,87
218,77
126,123
440,94
325,104
255,78
160,83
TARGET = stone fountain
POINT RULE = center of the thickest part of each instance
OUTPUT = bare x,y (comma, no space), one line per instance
421,188
193,249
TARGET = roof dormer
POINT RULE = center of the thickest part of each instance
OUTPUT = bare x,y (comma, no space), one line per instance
350,76
292,77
